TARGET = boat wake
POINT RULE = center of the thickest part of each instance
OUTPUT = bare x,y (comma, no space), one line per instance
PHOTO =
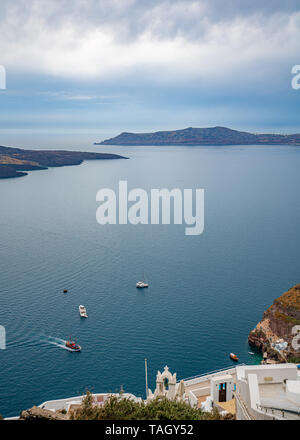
58,342
24,340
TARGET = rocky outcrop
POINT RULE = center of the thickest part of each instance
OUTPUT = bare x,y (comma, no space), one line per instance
278,327
257,339
36,413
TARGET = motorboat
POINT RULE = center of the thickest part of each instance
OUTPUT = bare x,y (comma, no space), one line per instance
82,311
73,346
234,357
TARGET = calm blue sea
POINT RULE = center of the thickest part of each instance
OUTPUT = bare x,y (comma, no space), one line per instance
207,292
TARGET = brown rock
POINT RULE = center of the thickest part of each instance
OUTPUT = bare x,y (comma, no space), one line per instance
257,340
36,413
278,323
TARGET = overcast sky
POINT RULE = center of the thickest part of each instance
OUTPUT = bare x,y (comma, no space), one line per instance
99,67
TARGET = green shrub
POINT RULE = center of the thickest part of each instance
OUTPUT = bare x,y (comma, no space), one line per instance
116,408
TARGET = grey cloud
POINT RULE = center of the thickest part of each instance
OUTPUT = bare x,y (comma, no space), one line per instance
130,18
222,41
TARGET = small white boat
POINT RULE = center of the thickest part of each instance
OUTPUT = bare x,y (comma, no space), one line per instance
82,311
141,285
251,352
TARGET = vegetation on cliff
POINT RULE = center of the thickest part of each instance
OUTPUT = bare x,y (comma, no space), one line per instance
285,312
290,299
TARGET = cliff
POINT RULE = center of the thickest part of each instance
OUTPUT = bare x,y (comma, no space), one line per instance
14,161
202,136
276,331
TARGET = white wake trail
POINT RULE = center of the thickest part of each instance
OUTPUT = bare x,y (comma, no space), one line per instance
58,342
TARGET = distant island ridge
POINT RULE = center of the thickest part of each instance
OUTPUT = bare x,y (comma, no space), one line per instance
15,161
202,136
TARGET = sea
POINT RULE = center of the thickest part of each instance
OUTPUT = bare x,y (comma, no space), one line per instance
206,292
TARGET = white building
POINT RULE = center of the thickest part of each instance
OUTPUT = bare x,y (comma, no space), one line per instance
250,392
221,388
167,386
205,390
72,403
268,392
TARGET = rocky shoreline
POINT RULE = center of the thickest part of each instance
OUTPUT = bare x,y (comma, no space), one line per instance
15,161
275,336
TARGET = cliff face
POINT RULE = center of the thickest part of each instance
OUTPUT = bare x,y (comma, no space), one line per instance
278,325
284,314
258,340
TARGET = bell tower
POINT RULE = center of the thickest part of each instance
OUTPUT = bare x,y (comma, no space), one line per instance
167,386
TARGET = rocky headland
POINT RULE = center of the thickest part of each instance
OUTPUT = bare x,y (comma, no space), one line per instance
14,162
275,336
202,136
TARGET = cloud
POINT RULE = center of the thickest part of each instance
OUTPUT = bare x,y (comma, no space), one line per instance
164,42
68,96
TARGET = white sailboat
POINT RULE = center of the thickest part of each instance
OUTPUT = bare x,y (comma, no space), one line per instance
142,284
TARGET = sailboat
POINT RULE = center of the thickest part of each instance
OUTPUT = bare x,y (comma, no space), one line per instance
142,284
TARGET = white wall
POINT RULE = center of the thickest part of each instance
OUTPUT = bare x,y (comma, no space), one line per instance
205,391
293,391
253,391
193,401
277,372
215,383
248,380
209,376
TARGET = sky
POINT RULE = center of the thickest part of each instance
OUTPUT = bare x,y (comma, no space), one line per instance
79,71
